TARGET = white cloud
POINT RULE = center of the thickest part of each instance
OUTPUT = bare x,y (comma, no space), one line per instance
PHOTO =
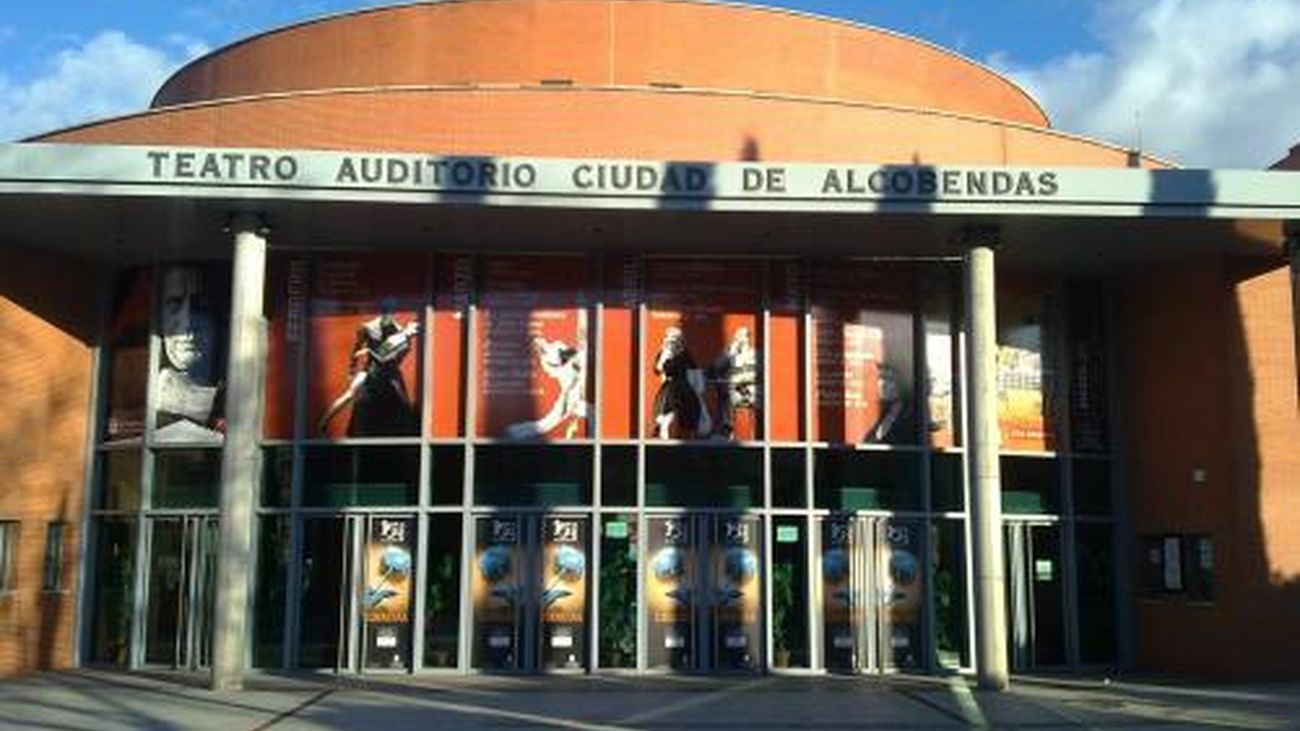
108,75
1210,83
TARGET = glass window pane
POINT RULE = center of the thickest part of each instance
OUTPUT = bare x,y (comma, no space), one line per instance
1088,395
950,614
867,480
941,293
1026,366
277,476
53,580
1030,485
618,476
948,482
128,358
862,343
789,479
446,474
1091,486
442,592
111,602
790,641
120,487
186,478
618,595
718,477
532,475
1096,591
374,476
272,583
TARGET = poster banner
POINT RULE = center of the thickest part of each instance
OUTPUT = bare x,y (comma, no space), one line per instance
496,590
941,413
128,358
366,313
386,602
533,348
841,604
670,592
737,591
863,348
194,309
1024,381
702,371
286,314
453,292
564,592
901,592
786,296
618,327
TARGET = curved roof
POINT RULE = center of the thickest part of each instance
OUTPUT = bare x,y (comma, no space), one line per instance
656,43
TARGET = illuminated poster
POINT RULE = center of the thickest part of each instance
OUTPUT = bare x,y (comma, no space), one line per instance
862,344
702,371
841,604
386,601
670,592
533,348
564,592
128,358
900,584
496,590
1024,382
286,313
193,303
365,326
737,592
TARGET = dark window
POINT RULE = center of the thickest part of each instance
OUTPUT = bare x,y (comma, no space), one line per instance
8,555
1198,567
53,557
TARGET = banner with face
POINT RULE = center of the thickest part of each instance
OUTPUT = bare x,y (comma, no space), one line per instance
193,304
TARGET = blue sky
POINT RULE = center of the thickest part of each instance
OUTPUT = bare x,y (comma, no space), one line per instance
1206,82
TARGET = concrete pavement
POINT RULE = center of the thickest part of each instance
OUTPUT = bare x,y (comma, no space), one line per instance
104,701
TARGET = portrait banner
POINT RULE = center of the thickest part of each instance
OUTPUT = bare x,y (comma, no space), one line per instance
189,388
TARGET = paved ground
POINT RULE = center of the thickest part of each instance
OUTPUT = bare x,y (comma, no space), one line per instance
103,701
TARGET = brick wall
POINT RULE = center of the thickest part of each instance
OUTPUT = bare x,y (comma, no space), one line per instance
47,316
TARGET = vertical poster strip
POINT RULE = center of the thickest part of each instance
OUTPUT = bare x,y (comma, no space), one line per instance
564,592
622,288
670,592
533,348
128,358
453,288
286,311
193,325
496,589
364,378
863,347
840,599
787,295
1023,376
902,592
702,378
386,600
738,592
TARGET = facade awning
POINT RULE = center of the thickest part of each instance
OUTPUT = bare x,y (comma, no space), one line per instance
126,203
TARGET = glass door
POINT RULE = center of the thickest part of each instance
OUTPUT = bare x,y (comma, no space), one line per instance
1035,603
872,593
182,580
529,590
355,609
704,593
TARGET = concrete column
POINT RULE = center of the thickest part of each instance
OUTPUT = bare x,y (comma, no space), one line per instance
240,457
989,592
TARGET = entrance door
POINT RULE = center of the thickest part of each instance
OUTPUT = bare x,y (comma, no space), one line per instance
873,592
357,574
1035,604
704,593
182,580
529,590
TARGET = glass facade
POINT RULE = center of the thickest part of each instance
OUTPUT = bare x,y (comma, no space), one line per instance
567,463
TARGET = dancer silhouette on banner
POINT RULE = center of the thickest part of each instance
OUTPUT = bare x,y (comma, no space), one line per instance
381,405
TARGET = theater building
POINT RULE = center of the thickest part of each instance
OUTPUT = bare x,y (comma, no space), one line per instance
655,336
